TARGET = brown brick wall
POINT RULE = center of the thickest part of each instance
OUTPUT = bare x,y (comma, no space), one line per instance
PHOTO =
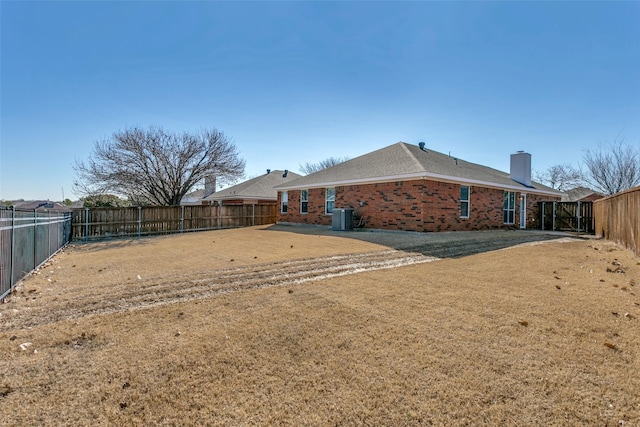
419,205
316,213
533,209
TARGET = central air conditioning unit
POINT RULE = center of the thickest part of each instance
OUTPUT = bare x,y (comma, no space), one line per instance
342,219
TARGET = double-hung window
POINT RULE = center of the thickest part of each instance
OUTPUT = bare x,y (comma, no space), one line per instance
464,201
304,201
509,209
285,202
330,199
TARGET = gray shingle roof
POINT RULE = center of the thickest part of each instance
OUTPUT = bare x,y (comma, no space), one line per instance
261,187
579,193
402,161
41,205
196,194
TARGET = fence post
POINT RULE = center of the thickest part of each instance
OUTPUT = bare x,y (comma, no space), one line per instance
86,224
553,222
35,239
139,220
182,219
13,244
49,227
578,215
57,232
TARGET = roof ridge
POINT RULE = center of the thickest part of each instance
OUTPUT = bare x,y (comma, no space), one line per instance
401,161
417,162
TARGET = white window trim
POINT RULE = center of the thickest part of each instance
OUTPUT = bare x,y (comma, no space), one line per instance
284,201
467,201
510,208
302,201
326,200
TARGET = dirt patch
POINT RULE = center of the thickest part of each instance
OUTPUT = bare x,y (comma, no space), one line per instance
262,326
139,293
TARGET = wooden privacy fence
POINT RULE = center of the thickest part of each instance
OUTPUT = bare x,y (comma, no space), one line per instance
617,218
97,223
567,216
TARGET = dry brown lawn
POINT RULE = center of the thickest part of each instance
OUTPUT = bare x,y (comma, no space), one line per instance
260,327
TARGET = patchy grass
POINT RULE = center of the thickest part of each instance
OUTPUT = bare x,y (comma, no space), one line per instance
531,335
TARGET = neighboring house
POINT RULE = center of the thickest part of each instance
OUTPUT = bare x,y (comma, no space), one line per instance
195,197
259,190
581,194
409,187
42,206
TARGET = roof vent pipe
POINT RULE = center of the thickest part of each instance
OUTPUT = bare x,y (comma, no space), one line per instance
284,175
421,145
268,171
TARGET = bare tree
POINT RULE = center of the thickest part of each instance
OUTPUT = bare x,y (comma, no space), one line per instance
613,168
154,167
105,201
561,177
309,168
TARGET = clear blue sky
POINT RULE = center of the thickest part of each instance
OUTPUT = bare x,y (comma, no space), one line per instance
296,82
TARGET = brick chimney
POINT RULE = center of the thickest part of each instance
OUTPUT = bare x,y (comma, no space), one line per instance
521,168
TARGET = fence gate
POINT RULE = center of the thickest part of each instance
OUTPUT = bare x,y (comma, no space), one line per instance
567,216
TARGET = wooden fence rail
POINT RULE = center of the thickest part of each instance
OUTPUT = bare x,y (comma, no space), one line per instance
617,218
98,223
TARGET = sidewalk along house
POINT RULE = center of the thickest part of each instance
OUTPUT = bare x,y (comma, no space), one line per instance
258,190
410,187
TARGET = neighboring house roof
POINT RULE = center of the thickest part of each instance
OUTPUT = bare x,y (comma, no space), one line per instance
402,161
42,205
195,197
197,194
258,188
580,194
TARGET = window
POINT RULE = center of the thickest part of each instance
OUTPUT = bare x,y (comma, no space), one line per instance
285,202
464,201
304,201
509,209
330,200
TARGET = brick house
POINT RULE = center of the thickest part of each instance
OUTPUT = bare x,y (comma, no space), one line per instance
409,187
259,190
